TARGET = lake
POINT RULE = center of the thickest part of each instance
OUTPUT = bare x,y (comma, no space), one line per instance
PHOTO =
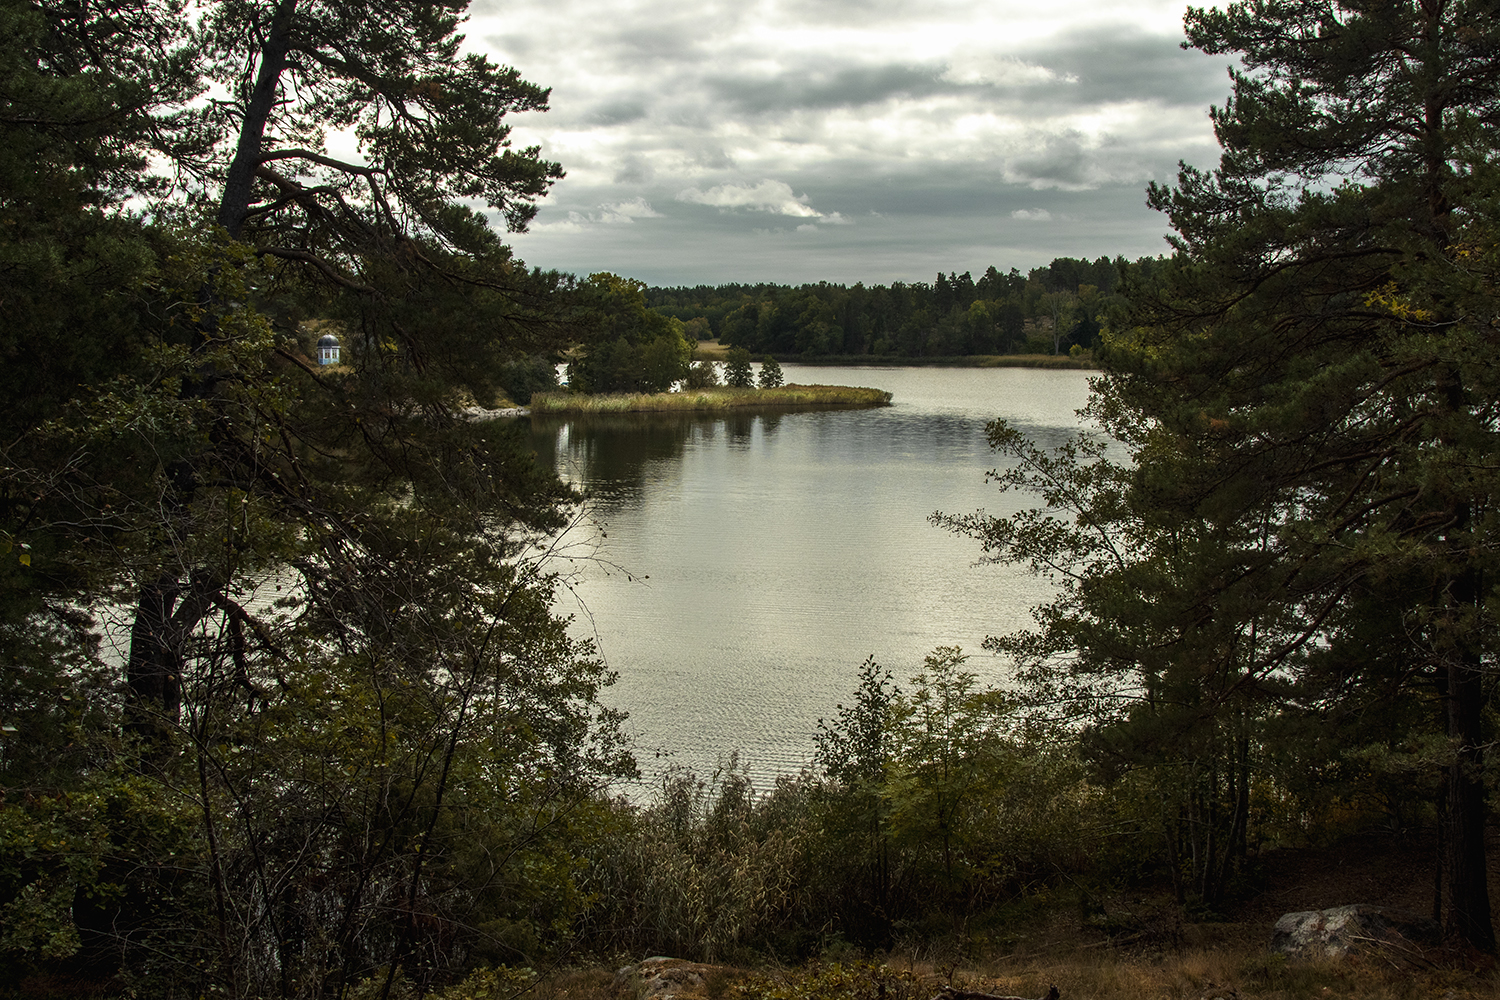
736,570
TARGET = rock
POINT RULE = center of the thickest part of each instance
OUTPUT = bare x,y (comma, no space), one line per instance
1335,932
480,413
662,978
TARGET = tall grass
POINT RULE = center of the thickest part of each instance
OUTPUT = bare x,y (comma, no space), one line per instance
1243,971
714,871
784,397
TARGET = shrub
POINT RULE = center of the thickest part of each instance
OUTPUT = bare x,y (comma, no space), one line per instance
702,375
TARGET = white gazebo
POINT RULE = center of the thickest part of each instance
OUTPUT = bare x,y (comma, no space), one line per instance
328,349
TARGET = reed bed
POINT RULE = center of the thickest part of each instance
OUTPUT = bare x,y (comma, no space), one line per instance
786,397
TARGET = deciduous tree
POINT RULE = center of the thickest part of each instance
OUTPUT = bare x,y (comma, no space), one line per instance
770,373
737,373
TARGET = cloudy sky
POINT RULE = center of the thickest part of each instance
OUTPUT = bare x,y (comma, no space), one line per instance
709,141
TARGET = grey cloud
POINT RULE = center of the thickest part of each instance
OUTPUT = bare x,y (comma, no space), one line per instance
667,41
691,112
634,169
663,35
712,248
515,46
710,157
818,87
1125,63
1083,68
958,157
837,13
959,191
617,113
1058,159
674,79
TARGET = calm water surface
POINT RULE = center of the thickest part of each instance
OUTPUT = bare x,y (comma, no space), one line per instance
744,566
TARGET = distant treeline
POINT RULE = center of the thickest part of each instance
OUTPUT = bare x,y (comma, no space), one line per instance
1046,311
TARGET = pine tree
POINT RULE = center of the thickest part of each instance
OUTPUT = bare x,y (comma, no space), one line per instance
404,638
1322,327
387,246
1304,537
1316,355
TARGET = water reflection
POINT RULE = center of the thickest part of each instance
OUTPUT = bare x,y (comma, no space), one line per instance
783,548
614,454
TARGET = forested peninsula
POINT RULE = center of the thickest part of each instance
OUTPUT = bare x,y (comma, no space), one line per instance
287,706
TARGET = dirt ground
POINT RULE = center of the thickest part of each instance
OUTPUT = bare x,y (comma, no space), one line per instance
1379,870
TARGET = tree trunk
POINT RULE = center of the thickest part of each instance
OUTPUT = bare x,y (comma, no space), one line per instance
237,185
1468,876
154,667
153,671
1174,862
1440,859
166,614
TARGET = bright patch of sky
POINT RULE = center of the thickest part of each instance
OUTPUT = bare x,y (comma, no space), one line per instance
710,141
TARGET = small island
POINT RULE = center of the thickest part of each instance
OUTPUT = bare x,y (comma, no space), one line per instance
783,397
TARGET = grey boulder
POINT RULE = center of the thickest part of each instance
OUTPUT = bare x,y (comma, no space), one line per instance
1335,932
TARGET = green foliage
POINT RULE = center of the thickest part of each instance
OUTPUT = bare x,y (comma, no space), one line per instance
707,871
484,725
1278,575
430,121
702,375
737,371
770,373
664,361
94,874
933,809
349,736
949,756
855,747
626,347
1064,303
524,376
407,732
855,751
940,805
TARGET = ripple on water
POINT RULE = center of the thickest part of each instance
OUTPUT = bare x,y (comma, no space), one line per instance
783,550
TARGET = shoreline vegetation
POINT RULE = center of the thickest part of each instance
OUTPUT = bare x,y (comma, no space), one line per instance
713,350
786,397
962,361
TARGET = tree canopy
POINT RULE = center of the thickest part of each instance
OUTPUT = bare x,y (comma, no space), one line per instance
286,704
1291,575
625,347
1042,312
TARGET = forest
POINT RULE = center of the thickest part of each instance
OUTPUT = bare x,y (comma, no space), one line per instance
1046,311
287,709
